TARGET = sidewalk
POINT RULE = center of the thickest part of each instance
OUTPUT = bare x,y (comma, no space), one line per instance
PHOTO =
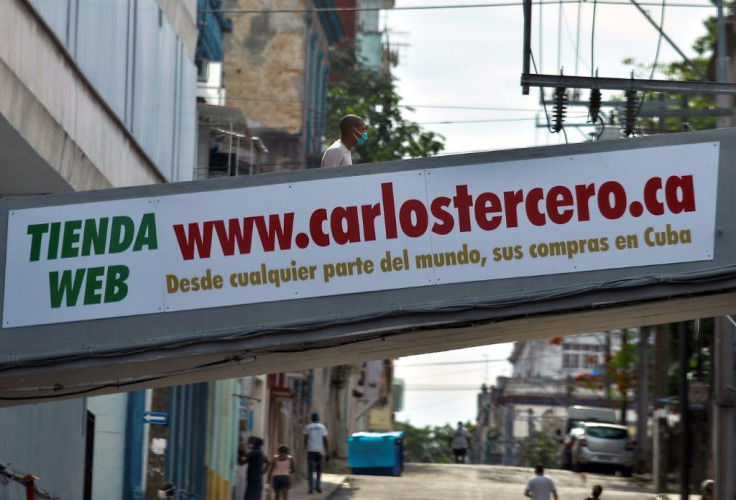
330,484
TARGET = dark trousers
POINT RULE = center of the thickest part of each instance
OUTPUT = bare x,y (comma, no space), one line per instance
314,464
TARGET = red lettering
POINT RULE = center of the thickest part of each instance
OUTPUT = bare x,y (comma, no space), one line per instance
558,197
651,189
413,218
612,200
389,209
533,198
345,225
274,231
316,224
438,209
488,203
511,201
583,194
680,194
234,234
462,202
369,214
194,240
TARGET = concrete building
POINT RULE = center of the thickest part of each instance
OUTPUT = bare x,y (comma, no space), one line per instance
277,69
541,387
95,95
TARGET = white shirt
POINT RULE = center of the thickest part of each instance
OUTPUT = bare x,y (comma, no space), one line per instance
460,439
337,155
541,487
315,433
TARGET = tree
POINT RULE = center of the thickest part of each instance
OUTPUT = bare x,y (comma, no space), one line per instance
427,444
359,90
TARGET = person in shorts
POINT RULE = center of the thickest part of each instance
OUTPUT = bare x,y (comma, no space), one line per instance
279,473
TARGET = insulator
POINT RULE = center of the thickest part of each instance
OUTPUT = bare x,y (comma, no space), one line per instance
631,112
594,106
560,107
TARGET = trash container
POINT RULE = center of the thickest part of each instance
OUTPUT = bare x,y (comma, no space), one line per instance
376,453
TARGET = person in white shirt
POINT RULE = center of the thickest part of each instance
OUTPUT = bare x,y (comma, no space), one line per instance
540,487
460,443
315,441
352,132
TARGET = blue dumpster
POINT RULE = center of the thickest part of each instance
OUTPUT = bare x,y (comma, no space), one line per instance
376,453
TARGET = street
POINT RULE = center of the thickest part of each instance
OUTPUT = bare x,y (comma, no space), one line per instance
463,482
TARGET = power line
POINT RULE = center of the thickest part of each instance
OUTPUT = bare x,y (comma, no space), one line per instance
440,7
445,363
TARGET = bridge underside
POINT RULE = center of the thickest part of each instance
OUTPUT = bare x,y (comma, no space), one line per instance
690,273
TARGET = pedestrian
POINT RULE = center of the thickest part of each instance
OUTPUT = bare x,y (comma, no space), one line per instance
707,488
540,487
352,132
460,443
279,472
315,441
257,464
596,492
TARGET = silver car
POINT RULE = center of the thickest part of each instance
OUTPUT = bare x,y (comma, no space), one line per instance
603,445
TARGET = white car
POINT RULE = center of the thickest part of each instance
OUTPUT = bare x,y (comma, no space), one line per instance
602,445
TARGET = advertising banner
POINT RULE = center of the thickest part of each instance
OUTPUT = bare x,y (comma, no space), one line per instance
344,235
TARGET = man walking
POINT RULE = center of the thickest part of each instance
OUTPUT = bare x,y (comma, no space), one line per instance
540,487
352,133
460,443
315,441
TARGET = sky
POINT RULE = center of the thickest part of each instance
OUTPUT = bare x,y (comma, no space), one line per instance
460,68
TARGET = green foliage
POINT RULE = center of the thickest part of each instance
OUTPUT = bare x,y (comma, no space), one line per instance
704,47
359,90
427,444
539,448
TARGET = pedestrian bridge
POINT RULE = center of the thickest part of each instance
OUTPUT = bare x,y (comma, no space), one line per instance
131,288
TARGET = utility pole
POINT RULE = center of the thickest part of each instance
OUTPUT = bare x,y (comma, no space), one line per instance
642,398
724,410
684,413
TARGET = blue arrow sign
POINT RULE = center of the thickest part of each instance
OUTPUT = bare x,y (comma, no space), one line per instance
155,417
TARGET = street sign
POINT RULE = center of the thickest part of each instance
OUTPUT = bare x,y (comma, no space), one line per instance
155,417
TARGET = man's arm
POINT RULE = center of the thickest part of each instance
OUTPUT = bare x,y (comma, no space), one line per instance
327,449
528,493
554,494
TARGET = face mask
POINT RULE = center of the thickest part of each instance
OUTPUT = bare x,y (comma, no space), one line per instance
362,138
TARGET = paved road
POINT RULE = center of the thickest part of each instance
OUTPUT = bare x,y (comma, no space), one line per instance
471,482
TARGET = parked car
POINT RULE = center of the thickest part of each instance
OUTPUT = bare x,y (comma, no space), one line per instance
602,445
576,417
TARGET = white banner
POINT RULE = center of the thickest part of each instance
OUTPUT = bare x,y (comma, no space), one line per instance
349,235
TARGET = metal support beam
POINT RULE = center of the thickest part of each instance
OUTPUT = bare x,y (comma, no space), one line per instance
527,42
669,40
724,409
584,82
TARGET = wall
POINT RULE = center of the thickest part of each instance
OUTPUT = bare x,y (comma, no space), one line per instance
46,440
109,454
136,61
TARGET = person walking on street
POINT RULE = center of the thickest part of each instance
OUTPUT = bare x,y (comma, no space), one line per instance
460,443
315,441
595,494
257,464
279,473
352,132
540,487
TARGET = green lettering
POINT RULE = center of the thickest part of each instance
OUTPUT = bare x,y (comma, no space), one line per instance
121,233
94,236
116,289
146,233
36,231
54,240
68,285
69,243
93,285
